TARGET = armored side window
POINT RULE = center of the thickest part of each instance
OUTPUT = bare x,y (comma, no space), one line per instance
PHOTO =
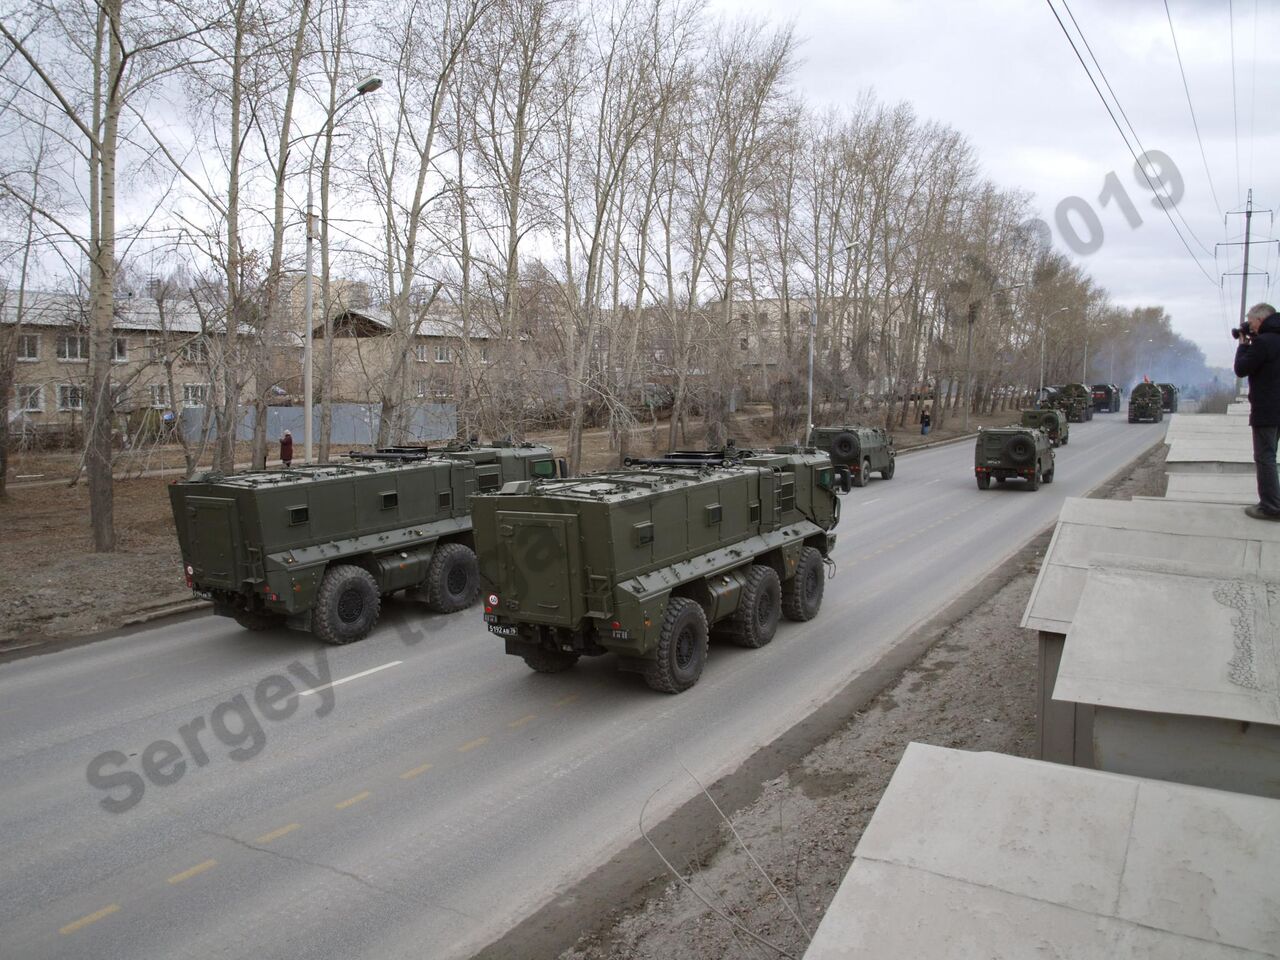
787,496
487,478
390,500
643,533
298,515
544,468
713,514
445,498
755,512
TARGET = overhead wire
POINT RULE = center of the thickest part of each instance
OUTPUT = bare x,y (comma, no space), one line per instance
1235,110
1111,113
1253,89
1164,200
1187,89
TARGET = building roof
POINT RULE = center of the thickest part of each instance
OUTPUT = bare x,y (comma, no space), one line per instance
44,308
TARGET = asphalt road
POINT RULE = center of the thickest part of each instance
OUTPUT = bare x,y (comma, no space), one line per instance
426,805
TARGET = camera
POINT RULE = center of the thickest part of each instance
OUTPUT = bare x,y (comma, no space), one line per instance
1242,332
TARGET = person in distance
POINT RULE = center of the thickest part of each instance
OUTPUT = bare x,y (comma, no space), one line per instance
1258,358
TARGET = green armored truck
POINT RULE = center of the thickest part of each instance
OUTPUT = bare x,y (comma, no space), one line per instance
1168,397
1053,422
1017,452
1076,400
1146,403
863,450
1106,398
645,562
317,547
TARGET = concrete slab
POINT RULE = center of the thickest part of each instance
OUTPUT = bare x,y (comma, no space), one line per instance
980,855
1238,409
1210,454
1213,535
1204,424
1213,487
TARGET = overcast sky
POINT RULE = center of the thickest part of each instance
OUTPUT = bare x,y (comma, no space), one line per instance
1003,73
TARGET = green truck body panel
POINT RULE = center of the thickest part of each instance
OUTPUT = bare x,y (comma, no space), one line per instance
1053,421
862,450
588,565
261,541
1002,453
1146,403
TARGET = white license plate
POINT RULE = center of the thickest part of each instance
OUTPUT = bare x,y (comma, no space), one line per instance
503,629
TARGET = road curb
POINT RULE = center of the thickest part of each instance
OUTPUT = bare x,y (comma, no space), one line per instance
168,610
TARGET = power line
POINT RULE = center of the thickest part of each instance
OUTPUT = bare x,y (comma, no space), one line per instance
1137,139
1120,130
1235,119
1253,89
1187,89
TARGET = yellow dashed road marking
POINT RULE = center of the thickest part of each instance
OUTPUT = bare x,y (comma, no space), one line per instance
352,801
197,869
91,918
415,772
565,701
517,724
278,833
472,744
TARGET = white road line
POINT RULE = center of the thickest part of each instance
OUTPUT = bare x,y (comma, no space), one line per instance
354,676
867,503
938,480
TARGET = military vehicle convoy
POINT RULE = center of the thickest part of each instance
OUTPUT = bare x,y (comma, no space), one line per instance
1146,403
863,450
1106,398
1017,452
1076,400
317,547
648,561
1168,397
1054,422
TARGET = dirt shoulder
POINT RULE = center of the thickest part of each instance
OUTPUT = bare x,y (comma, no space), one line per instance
965,681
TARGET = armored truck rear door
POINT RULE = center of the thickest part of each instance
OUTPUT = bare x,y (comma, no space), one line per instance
540,556
212,534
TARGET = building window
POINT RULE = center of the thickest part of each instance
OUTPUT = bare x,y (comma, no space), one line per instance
29,346
197,351
70,397
420,352
194,394
73,347
159,396
30,397
155,350
120,350
484,354
444,354
422,387
742,343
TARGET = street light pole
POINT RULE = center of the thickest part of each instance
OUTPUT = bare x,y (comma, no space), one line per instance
1044,336
368,86
813,326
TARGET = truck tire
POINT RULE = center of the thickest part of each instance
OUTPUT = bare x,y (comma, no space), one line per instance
1020,448
864,475
347,605
802,594
453,578
1048,477
1033,482
682,648
549,661
887,472
257,619
984,482
844,445
759,609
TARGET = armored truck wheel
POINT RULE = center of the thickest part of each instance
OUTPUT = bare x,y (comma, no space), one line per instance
346,605
1033,481
984,482
887,472
802,594
257,619
864,475
1048,477
759,610
549,661
453,578
682,648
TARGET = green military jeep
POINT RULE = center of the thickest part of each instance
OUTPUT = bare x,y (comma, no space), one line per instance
862,450
1019,452
316,547
1052,421
1146,403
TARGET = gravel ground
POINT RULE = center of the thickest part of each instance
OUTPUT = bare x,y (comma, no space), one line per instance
973,690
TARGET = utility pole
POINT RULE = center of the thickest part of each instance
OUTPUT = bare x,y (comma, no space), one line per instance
1244,277
1084,366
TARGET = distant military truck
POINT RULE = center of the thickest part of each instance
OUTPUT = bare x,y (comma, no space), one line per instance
1146,403
1017,452
1106,398
1053,422
1076,400
1168,397
317,547
863,450
646,561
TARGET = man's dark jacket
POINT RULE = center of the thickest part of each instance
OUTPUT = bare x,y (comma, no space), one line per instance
1260,362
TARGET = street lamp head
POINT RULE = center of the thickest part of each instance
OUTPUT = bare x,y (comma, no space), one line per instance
369,85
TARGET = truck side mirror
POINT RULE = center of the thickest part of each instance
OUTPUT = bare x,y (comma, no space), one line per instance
844,479
562,468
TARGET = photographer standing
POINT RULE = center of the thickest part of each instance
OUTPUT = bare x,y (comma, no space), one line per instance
1258,358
